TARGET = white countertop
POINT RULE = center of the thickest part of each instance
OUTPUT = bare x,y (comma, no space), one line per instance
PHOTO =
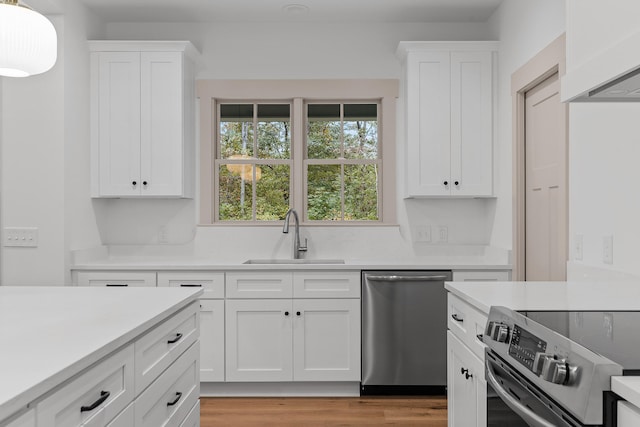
189,263
613,296
50,334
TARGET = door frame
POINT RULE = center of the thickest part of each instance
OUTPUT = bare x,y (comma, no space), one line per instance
550,60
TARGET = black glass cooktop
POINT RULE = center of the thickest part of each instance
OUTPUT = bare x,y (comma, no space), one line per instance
612,334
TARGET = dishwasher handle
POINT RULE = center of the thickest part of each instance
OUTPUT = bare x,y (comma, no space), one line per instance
396,278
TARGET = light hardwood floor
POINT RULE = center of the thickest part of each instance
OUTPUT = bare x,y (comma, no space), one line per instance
316,412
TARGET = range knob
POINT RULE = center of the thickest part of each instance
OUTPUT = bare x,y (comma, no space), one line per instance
538,362
502,333
558,371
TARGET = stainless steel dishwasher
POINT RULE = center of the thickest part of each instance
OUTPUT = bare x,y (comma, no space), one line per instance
404,332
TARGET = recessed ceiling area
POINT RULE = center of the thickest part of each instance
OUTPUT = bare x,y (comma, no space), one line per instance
297,10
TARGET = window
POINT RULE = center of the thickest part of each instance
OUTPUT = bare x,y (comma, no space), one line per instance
262,153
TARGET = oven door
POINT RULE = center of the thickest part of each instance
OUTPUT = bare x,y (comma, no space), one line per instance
510,403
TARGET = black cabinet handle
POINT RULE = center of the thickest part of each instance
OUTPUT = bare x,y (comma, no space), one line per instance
174,401
117,285
104,395
175,340
134,183
466,373
479,336
190,285
298,313
456,318
286,313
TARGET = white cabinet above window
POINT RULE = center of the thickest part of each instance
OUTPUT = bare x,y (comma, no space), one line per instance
448,92
142,119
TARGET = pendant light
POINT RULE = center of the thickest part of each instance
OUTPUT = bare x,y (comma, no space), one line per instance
28,41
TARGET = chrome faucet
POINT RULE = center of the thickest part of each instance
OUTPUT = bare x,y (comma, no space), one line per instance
297,248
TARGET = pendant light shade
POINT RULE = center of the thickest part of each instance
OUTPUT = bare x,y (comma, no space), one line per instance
28,41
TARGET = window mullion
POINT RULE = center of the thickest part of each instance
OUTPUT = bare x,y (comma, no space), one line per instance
298,172
254,183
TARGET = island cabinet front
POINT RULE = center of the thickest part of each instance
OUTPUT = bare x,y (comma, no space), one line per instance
466,385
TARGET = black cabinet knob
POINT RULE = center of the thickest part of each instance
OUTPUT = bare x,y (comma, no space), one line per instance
456,183
446,183
134,183
144,182
298,313
286,313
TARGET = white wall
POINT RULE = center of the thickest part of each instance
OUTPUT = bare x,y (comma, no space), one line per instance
524,27
44,141
296,51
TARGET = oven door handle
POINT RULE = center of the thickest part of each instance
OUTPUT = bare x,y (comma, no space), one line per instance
530,417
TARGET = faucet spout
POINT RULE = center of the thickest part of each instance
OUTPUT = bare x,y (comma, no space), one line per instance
297,247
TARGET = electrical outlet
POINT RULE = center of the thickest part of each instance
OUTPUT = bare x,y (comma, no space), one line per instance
607,325
607,249
162,235
21,236
577,247
422,233
443,233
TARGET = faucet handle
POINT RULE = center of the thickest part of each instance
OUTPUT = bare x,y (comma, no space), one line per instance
303,248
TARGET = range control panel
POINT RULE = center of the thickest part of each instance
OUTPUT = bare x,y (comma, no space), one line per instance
524,347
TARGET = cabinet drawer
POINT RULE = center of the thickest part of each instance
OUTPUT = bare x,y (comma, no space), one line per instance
193,419
93,398
482,276
126,418
628,415
466,323
259,284
27,419
156,350
170,398
326,285
116,278
212,283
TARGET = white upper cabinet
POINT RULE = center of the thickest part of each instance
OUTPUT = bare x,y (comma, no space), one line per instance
448,92
142,119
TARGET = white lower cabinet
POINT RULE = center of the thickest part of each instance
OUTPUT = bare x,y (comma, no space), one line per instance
211,340
628,415
193,419
126,418
466,386
293,340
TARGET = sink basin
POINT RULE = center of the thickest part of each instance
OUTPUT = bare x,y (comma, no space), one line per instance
294,261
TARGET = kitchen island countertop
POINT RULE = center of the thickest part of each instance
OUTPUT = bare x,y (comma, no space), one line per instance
52,333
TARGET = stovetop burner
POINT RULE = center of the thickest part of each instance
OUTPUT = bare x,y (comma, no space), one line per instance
612,334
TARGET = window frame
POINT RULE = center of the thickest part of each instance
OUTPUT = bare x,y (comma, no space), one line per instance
384,92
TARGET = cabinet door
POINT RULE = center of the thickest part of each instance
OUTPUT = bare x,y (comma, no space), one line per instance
161,123
471,124
258,340
116,278
27,419
628,415
326,340
211,340
211,282
466,387
116,126
428,123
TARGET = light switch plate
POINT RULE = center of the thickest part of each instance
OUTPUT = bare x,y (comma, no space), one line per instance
21,236
577,247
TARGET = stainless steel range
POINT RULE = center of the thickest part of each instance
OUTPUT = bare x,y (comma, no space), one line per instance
554,368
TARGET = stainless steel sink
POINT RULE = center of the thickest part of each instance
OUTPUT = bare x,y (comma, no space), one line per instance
294,261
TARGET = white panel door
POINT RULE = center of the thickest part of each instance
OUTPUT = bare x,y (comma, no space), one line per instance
465,384
546,183
258,340
471,124
211,340
326,340
428,123
161,123
119,123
